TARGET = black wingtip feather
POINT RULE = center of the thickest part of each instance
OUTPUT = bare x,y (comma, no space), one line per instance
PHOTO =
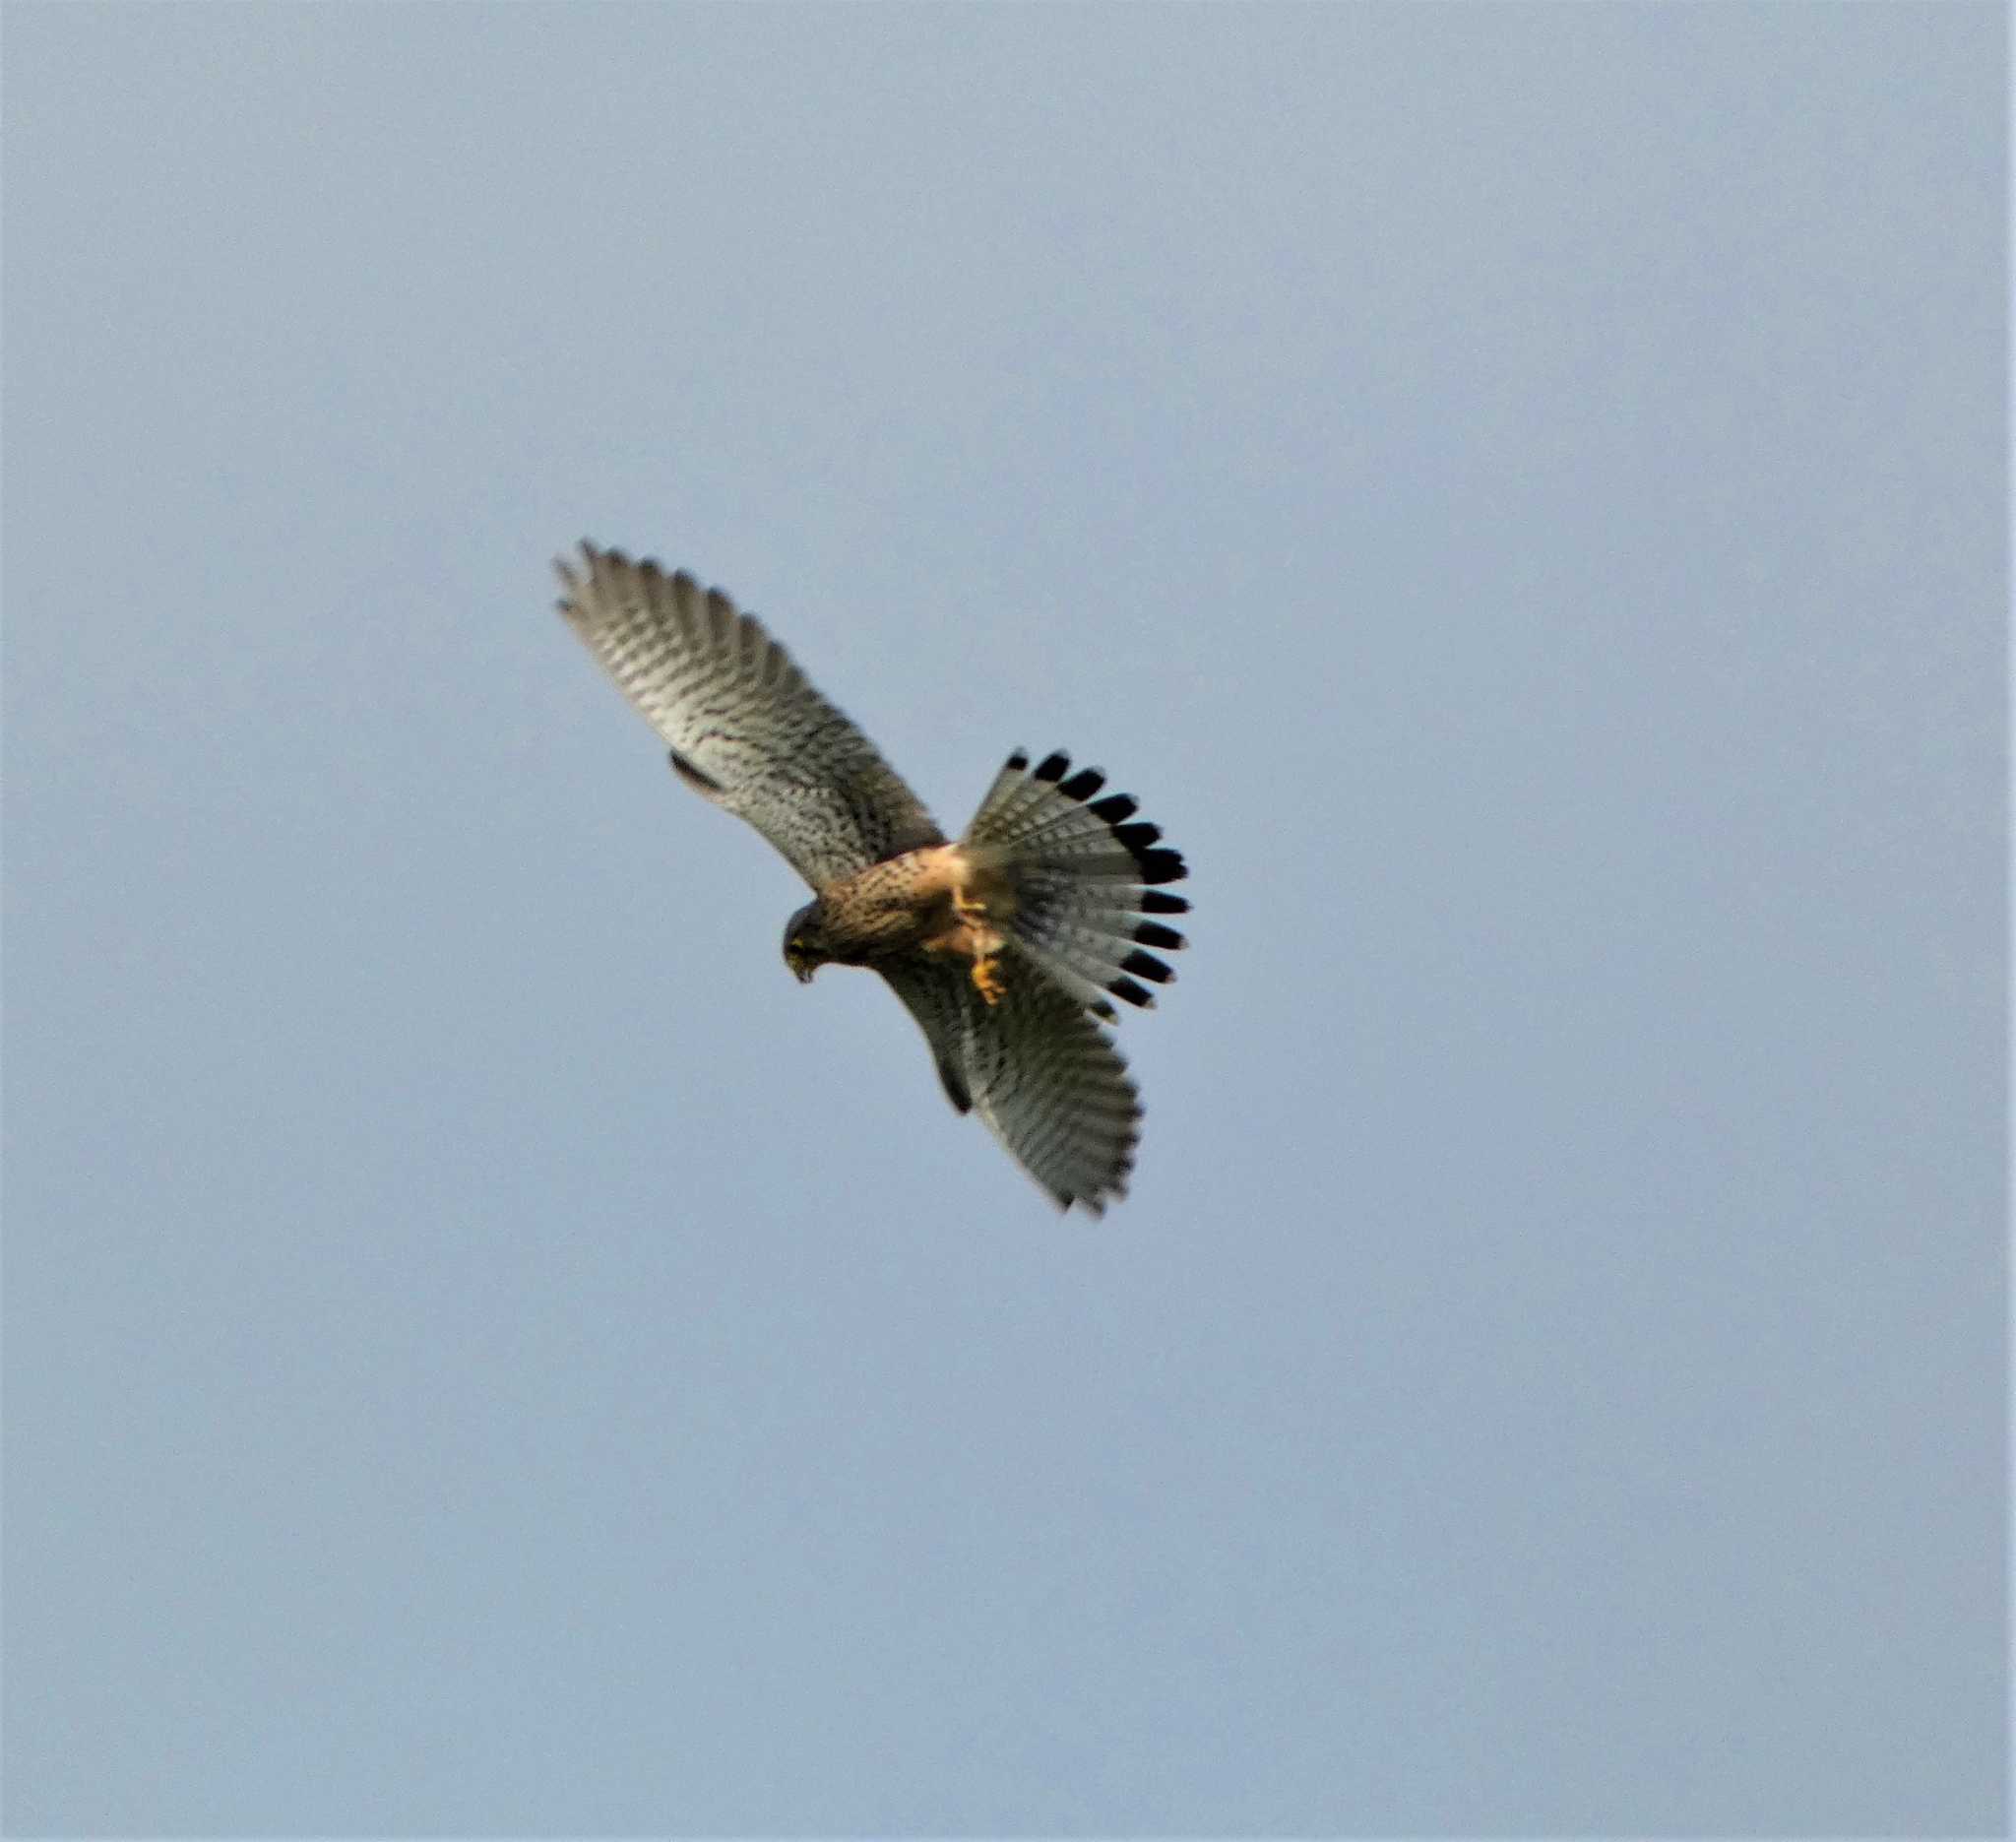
1018,761
1082,784
1138,836
1161,866
1132,992
1154,902
1154,933
1113,808
1146,965
1052,767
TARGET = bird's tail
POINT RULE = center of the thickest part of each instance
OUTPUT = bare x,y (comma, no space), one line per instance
1080,874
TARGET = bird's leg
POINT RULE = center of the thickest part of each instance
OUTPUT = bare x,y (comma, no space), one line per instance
987,980
984,941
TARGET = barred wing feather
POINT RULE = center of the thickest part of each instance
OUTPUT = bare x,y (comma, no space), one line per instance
745,726
1037,1067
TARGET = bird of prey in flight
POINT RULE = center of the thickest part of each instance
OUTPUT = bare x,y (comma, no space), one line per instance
1007,945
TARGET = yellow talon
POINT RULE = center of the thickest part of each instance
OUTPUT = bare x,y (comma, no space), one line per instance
986,977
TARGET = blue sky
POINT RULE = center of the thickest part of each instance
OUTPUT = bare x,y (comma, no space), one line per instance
1519,494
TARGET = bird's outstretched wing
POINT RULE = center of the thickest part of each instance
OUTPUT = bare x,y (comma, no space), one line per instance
746,728
1045,1078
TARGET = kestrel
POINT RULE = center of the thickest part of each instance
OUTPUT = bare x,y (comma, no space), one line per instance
1006,946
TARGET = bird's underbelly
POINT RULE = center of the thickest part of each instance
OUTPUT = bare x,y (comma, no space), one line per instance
899,907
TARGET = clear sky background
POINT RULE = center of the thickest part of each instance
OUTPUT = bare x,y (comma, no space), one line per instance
1516,491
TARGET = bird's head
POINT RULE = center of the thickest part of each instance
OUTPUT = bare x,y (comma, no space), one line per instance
804,942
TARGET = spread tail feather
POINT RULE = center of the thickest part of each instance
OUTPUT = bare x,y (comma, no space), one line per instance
1083,873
